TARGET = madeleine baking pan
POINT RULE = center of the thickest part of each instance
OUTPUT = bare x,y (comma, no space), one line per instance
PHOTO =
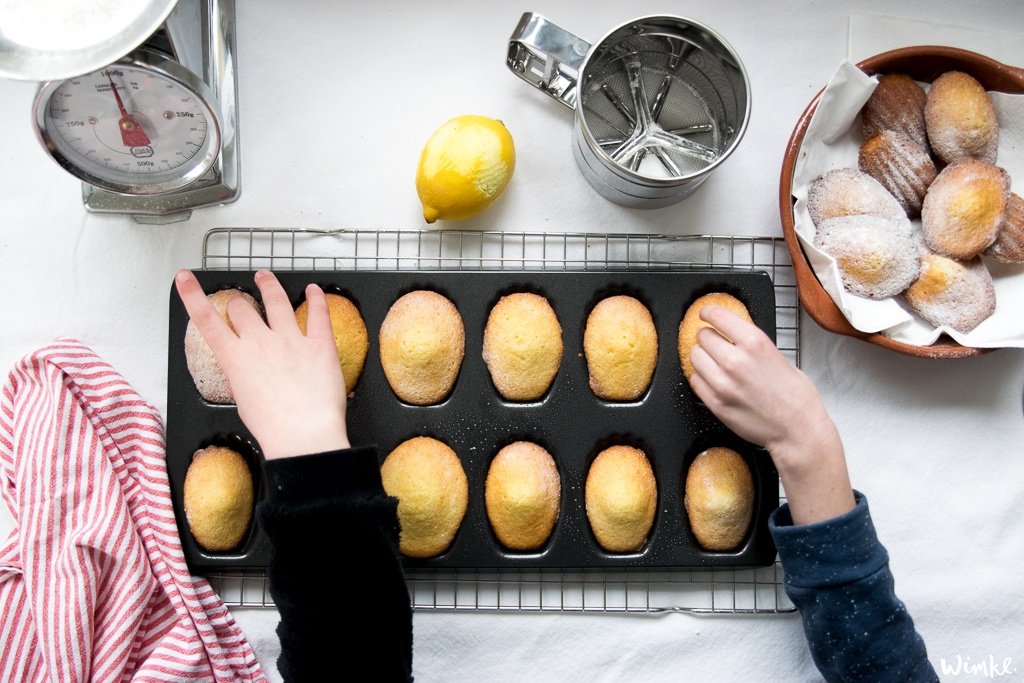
668,422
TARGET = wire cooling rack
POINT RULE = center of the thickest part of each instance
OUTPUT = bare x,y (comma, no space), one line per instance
716,591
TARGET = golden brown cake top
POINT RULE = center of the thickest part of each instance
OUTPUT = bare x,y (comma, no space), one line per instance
951,293
422,343
211,382
350,335
876,258
620,343
522,495
522,346
218,498
719,498
427,478
961,119
621,498
850,192
965,208
691,323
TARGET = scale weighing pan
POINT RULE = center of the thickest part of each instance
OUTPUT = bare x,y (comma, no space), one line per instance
42,40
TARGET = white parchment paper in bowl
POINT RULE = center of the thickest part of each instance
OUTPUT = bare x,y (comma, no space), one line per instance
832,140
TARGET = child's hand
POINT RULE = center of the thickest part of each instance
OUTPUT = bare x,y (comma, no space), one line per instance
751,387
288,386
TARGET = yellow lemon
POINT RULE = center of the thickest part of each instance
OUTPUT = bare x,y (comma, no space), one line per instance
464,166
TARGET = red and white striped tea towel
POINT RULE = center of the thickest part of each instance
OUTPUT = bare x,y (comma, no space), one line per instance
93,582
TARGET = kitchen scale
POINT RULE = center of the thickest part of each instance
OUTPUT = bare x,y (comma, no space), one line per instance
152,134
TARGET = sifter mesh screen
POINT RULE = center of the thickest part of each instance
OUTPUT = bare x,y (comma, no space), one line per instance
659,105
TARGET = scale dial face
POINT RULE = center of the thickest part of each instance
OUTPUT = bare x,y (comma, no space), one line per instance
139,126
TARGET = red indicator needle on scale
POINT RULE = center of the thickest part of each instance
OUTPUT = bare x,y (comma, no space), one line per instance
132,134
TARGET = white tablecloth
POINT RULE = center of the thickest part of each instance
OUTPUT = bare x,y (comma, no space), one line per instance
336,101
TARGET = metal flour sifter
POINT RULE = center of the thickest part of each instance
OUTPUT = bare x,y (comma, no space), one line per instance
660,102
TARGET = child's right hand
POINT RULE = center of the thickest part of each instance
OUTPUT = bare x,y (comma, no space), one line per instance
756,392
751,386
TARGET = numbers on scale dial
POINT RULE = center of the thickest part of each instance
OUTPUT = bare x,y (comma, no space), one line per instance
150,125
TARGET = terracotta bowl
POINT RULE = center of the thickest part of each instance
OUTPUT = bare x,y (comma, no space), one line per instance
924,63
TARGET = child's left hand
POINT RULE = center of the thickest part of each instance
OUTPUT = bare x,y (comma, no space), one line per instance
288,386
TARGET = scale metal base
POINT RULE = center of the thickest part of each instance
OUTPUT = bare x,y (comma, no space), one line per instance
200,35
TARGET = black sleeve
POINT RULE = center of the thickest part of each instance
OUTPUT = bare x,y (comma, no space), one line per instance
837,574
334,567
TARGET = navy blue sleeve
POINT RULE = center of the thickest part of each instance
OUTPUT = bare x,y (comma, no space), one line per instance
335,572
837,575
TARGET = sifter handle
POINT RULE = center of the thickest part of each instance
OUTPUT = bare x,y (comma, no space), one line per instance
547,56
